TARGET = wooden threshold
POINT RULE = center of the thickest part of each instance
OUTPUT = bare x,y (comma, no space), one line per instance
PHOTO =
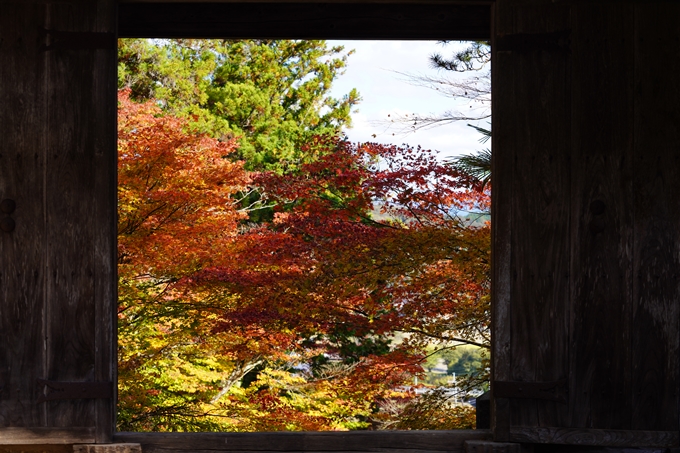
45,436
335,441
393,2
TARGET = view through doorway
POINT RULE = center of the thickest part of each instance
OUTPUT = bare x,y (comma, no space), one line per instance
277,269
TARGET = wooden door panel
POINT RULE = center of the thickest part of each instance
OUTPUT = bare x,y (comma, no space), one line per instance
57,291
22,273
79,238
602,216
586,220
531,154
655,311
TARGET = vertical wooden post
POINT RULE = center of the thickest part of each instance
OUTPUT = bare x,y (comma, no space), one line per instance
531,206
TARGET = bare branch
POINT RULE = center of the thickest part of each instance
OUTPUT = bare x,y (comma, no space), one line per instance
476,90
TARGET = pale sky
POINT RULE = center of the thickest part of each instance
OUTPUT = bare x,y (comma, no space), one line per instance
371,71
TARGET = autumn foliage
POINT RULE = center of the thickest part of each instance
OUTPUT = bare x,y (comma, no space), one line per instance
316,318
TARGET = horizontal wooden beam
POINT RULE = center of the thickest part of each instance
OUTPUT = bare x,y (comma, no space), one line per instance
595,437
392,2
344,441
44,436
305,20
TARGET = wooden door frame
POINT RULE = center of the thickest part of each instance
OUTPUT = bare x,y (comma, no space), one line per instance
305,19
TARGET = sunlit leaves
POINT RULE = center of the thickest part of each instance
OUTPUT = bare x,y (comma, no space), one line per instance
316,320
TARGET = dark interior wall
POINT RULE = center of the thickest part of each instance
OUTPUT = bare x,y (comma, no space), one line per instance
587,220
57,162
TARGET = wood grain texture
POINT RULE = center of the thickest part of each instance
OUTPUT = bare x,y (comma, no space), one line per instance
42,435
356,441
655,334
79,255
587,284
107,448
501,227
602,233
22,166
103,99
58,274
481,446
531,186
595,437
104,93
305,21
541,243
45,448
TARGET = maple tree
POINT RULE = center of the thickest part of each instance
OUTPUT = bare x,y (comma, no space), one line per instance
316,320
175,216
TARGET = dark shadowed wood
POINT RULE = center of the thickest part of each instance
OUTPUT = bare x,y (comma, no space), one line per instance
57,275
45,448
501,227
355,441
60,436
154,448
602,239
22,165
343,2
585,142
540,239
70,316
104,93
605,437
656,275
586,212
80,212
200,446
532,137
304,21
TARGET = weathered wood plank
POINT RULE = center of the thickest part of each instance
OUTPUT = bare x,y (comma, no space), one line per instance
356,441
304,21
81,113
594,437
391,2
601,221
105,202
45,448
57,154
501,227
150,448
541,243
107,448
655,335
21,179
59,436
531,132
